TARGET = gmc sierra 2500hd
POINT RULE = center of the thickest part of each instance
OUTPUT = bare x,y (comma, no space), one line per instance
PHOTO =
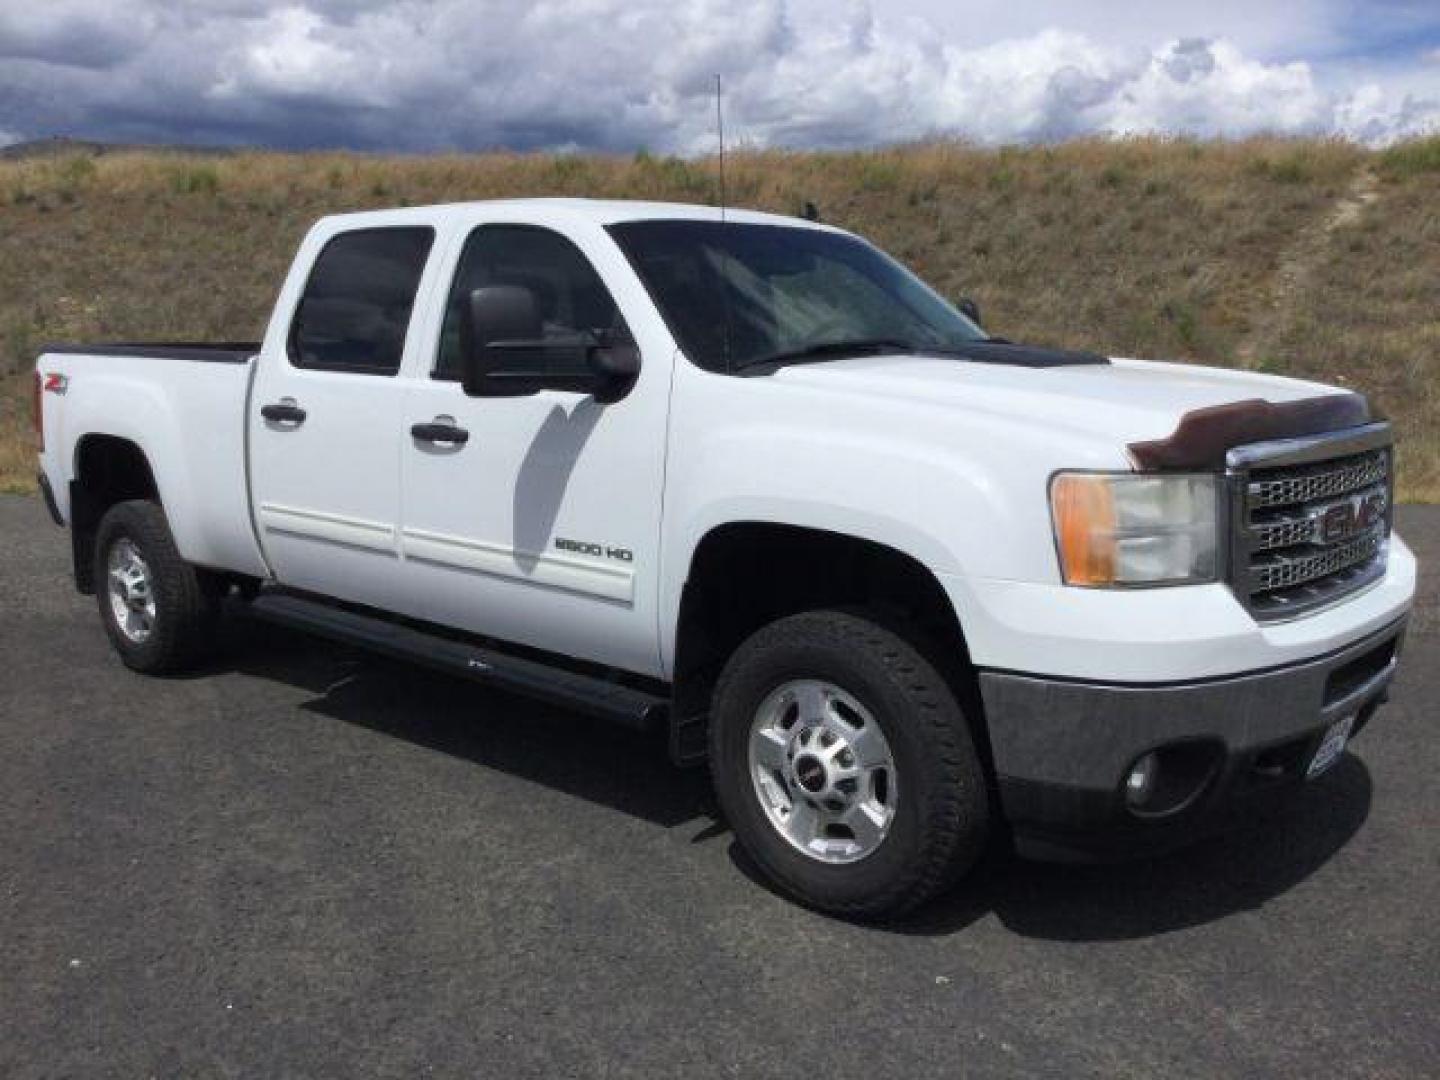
746,478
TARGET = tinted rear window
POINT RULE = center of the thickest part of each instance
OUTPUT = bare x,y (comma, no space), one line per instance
356,306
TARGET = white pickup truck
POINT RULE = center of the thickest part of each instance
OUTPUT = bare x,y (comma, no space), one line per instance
904,585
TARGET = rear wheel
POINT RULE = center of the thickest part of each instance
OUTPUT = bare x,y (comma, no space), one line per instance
159,611
845,765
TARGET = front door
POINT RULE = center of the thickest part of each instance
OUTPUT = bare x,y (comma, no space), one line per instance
542,526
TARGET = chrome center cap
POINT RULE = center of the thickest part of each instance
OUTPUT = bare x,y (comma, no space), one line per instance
133,589
810,774
819,760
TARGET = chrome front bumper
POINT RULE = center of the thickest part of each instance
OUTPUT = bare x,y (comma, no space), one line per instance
1063,748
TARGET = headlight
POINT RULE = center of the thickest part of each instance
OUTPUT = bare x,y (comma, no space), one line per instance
1122,529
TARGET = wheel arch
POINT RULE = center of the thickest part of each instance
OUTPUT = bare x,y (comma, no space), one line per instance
745,574
107,469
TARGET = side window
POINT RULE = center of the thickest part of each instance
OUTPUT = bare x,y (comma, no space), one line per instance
570,294
356,305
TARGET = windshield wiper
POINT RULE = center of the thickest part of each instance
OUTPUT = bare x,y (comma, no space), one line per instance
821,349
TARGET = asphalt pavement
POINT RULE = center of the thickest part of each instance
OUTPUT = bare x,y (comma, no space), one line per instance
309,862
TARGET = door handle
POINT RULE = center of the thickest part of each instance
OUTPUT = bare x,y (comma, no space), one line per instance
440,432
283,412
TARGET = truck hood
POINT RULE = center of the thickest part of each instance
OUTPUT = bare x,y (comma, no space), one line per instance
1122,402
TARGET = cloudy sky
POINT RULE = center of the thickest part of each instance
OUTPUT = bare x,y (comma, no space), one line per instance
624,74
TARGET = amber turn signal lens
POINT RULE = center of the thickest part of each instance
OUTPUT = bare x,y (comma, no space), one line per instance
1126,530
1084,511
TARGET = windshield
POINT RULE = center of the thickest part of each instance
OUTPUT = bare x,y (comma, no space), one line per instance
741,295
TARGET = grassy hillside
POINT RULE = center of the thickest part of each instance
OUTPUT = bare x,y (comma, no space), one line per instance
1313,258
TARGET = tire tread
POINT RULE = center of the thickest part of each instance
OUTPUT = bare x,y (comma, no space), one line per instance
187,607
956,815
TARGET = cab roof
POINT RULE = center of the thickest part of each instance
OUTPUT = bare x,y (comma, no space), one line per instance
541,210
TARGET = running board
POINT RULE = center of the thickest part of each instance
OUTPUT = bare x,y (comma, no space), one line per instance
559,686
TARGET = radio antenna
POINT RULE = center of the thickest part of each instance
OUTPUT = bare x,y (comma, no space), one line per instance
720,131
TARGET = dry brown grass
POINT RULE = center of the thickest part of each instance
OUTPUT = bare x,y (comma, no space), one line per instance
17,441
1370,318
1149,247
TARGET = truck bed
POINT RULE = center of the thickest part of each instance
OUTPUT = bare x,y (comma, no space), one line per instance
188,419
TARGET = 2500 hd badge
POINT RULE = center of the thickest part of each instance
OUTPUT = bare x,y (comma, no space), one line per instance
602,551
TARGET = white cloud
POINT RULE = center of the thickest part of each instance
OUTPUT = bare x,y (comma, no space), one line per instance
1208,87
1369,115
290,56
421,74
1269,29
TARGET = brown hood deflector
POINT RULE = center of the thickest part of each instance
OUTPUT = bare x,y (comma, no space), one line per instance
1203,436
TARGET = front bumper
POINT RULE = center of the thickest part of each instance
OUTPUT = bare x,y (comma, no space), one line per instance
1063,748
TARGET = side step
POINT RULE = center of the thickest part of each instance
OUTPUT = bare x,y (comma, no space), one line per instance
584,693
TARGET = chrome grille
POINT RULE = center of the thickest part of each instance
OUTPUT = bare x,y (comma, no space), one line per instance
1287,571
1319,483
1309,519
1303,526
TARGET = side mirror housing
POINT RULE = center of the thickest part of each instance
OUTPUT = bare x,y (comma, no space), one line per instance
494,316
504,351
969,308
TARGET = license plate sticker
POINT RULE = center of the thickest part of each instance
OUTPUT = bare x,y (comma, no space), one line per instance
1331,747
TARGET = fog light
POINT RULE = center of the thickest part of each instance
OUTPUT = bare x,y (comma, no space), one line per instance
1141,781
1169,778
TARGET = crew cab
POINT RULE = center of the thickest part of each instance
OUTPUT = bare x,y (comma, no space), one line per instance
746,480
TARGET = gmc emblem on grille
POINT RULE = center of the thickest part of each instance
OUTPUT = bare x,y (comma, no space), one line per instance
1344,520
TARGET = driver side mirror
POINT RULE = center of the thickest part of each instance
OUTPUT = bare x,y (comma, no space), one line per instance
969,308
504,351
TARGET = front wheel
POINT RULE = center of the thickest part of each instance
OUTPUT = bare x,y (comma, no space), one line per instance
159,611
845,765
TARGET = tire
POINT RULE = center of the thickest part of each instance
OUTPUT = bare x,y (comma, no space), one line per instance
184,607
939,808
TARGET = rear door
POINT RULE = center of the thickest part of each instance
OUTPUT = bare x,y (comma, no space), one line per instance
325,410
